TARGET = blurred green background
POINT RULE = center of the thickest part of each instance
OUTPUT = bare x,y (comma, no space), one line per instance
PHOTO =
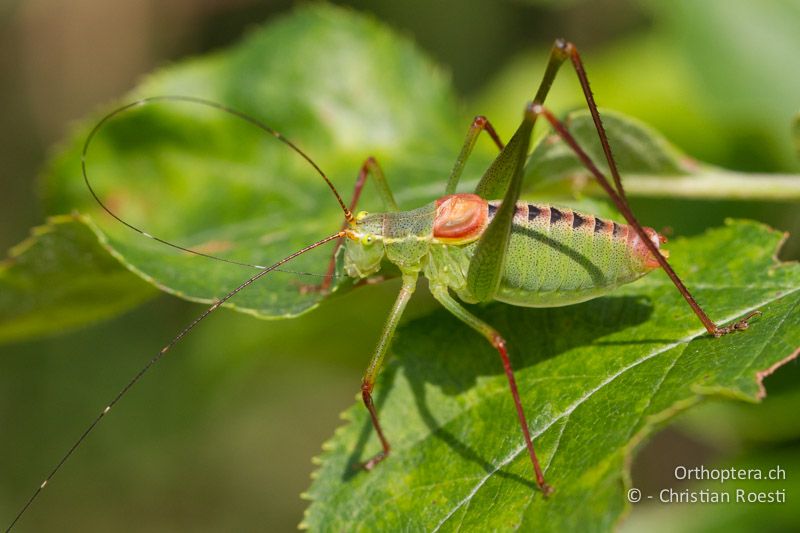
220,436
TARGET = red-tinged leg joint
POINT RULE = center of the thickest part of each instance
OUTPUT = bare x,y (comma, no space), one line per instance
372,280
563,47
500,344
366,395
314,288
482,123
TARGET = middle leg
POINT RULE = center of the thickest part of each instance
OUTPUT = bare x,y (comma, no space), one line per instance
479,124
443,296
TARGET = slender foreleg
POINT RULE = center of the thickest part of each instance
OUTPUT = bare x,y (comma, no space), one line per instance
443,296
375,364
369,167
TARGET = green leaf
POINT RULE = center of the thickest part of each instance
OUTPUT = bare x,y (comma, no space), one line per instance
595,379
61,278
649,164
796,133
338,84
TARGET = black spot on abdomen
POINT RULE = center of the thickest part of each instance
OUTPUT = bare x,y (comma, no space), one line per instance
599,224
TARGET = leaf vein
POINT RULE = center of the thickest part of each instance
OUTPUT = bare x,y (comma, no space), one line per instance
516,452
657,389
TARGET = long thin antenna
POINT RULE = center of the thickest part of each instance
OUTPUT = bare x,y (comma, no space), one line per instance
155,360
208,103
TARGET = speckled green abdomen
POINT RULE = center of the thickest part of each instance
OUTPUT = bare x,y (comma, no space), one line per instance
557,256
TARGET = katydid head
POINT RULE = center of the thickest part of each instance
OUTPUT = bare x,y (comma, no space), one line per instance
364,248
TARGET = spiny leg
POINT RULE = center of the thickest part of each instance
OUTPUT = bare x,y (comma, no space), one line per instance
619,200
370,166
479,123
443,296
571,51
375,364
